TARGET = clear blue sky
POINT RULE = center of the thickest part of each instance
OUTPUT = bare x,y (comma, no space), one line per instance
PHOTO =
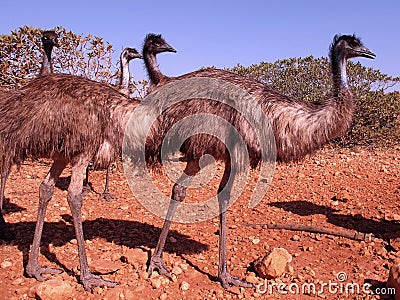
222,33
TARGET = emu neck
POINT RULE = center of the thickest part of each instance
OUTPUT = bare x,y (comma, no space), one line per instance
125,76
47,66
155,74
339,73
302,128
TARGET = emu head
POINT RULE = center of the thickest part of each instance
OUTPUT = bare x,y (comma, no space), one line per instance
154,43
130,53
50,38
349,46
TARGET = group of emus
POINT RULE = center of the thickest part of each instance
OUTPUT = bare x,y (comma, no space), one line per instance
77,121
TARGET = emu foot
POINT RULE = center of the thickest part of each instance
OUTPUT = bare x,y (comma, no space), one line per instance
90,281
36,272
156,263
227,281
6,234
107,196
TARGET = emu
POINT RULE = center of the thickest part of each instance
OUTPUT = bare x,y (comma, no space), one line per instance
299,128
126,56
49,40
73,121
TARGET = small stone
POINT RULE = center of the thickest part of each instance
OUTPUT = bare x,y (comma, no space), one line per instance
184,286
274,264
172,239
17,281
155,283
163,296
104,266
135,257
255,241
295,238
54,289
177,270
144,275
251,278
6,264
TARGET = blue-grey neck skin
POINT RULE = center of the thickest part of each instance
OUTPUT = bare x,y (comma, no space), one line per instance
125,76
339,72
47,66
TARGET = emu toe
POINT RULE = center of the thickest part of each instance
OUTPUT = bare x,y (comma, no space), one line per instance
227,281
156,264
91,281
37,272
107,196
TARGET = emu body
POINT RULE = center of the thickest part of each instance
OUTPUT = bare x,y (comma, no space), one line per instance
72,121
126,56
299,129
49,40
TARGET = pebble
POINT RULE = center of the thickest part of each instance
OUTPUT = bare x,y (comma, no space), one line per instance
184,286
17,281
295,237
155,283
6,264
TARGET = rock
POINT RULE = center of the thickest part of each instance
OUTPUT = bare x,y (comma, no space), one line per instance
17,281
155,283
53,289
274,264
295,238
184,286
104,266
394,280
136,257
6,264
176,270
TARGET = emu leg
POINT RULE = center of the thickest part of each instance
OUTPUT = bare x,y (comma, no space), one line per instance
224,192
5,233
87,186
106,194
75,203
178,195
46,191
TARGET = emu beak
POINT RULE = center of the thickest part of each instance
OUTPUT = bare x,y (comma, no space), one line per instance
365,52
167,48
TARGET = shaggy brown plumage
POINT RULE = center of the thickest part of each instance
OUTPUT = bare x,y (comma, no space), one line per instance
71,120
49,40
299,128
126,56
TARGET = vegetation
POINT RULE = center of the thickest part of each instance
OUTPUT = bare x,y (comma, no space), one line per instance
88,56
377,120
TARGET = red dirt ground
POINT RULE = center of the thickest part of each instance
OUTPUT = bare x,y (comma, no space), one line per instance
348,190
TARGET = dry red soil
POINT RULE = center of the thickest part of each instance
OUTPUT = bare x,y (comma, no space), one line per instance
342,189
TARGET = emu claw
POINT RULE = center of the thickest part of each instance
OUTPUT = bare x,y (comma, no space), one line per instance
37,272
107,196
91,281
227,281
156,263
